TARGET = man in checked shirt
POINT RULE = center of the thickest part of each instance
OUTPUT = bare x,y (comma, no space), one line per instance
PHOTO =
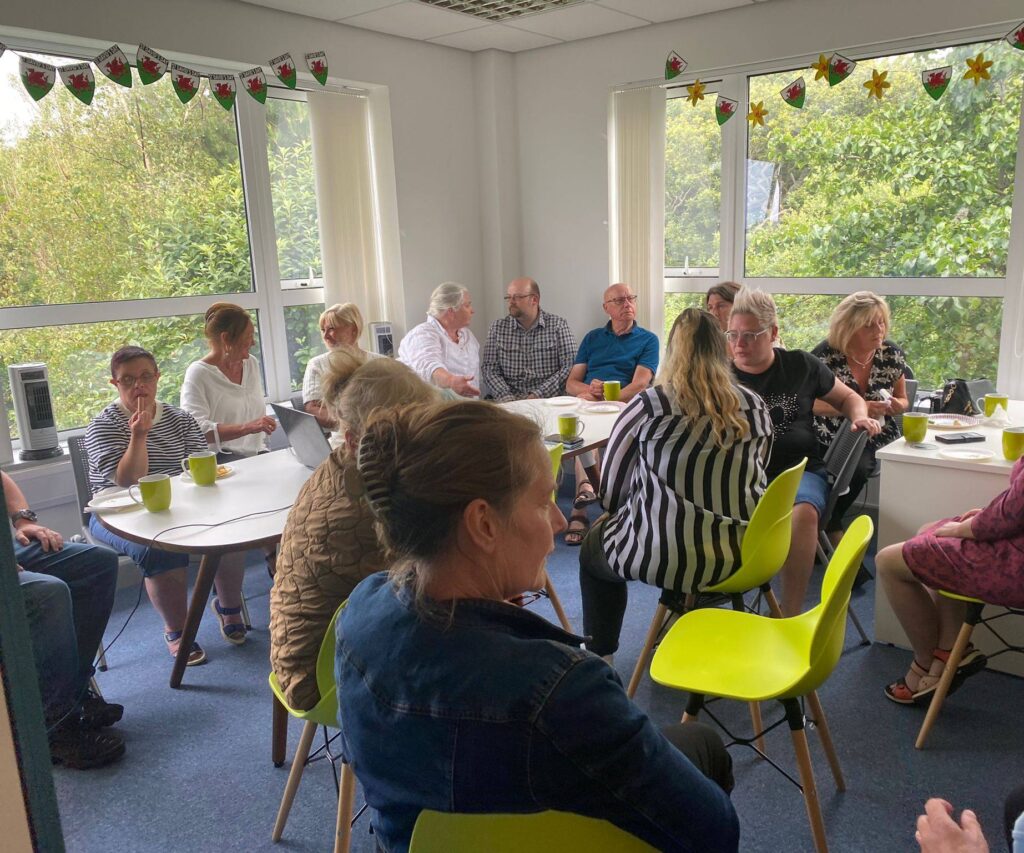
528,352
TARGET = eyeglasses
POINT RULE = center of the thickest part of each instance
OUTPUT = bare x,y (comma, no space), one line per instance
129,382
620,301
747,337
527,598
517,296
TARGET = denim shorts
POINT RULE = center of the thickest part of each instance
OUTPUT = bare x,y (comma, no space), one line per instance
152,561
813,490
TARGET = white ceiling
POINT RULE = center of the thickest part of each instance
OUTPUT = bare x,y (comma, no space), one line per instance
415,20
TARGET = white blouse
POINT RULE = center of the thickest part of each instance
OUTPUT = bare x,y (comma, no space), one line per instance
427,347
211,398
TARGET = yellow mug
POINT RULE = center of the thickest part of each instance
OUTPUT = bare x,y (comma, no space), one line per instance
154,491
990,402
915,426
1013,443
569,427
612,390
202,467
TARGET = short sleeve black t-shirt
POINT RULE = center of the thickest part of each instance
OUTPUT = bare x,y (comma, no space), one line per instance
789,388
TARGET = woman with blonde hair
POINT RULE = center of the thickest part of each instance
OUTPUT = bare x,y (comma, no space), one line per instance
329,543
859,355
684,469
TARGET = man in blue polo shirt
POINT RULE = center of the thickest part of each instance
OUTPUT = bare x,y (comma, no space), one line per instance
618,351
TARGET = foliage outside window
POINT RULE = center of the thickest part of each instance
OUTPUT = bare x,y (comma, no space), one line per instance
304,342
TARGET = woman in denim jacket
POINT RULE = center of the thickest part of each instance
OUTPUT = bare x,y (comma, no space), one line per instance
455,699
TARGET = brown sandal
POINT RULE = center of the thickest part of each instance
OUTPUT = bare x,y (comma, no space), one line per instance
576,531
900,692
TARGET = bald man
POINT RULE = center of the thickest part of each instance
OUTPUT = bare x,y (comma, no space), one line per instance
529,351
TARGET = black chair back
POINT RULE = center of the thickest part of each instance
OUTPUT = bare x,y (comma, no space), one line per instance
841,460
80,467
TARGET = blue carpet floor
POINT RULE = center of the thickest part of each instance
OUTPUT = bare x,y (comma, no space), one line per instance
197,775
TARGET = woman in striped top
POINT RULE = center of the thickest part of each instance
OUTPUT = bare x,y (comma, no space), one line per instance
683,471
138,435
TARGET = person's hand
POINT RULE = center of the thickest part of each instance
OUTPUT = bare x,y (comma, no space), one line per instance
869,425
589,397
464,386
879,410
50,540
937,832
597,389
21,568
955,530
266,425
140,423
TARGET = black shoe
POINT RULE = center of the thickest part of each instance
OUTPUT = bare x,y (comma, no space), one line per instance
98,713
79,749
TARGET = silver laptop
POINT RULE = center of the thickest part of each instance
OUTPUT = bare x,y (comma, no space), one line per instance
304,434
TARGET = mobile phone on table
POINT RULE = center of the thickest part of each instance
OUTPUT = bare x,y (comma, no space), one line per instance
960,438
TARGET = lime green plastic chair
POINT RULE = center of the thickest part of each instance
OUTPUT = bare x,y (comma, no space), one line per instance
324,713
753,658
555,452
543,832
763,551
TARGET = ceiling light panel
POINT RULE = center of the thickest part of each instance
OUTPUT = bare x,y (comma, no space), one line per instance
500,10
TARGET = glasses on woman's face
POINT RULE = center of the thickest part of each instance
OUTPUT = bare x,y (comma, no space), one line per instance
129,382
747,338
527,598
619,301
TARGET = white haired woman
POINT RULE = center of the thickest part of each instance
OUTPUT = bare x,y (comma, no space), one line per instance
442,349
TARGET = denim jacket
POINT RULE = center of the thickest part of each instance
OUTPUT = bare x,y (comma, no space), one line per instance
499,711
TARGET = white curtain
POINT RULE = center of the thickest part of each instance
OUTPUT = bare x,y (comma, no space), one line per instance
637,198
342,162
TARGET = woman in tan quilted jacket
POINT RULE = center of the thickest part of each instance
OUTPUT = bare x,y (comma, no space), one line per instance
329,543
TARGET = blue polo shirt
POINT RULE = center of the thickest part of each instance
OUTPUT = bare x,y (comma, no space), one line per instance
609,356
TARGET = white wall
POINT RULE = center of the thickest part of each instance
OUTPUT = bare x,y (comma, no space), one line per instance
562,111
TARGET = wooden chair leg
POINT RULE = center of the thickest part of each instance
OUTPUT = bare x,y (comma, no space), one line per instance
955,656
556,603
773,603
294,777
826,739
279,736
657,623
803,760
245,615
346,801
101,664
755,719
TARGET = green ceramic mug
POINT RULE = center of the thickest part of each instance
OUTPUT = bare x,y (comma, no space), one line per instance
202,467
990,402
915,426
569,427
1013,443
612,390
154,492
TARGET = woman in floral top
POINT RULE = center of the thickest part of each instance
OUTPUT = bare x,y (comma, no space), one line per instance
857,352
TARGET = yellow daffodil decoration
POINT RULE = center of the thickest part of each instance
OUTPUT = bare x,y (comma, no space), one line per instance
977,69
820,67
757,114
877,84
696,92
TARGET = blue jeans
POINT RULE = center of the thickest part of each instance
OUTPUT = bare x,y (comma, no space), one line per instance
813,490
68,597
152,561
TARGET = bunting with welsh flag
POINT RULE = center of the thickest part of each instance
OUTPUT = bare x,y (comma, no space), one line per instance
150,64
114,64
185,82
222,87
254,81
936,81
317,65
80,81
37,77
284,68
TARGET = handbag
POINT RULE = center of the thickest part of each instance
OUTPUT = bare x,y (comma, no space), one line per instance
958,396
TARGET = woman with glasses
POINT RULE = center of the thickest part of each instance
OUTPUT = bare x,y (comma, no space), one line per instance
138,435
684,469
455,699
789,382
859,356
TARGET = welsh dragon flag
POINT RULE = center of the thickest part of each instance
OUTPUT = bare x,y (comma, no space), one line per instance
223,88
38,77
674,66
284,68
151,65
1015,37
725,109
185,82
80,81
839,68
255,83
317,64
795,93
936,80
114,64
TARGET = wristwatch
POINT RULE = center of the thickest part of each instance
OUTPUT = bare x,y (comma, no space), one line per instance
27,514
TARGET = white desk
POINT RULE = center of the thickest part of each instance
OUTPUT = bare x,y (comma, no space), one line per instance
207,521
918,486
597,427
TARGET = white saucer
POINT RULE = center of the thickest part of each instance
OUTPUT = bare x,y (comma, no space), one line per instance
186,477
117,500
967,455
609,407
561,401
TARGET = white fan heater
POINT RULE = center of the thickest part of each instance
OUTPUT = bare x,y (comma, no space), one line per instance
382,339
33,411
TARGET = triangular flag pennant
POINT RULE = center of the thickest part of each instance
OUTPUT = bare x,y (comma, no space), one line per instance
725,109
317,64
150,64
255,83
80,80
839,68
38,77
185,82
114,64
937,80
1015,37
284,68
674,65
3,48
223,88
795,93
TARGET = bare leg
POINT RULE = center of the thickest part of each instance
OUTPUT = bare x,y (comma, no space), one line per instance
169,593
912,603
796,571
951,615
228,584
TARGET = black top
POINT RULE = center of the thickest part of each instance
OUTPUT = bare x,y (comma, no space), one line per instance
789,388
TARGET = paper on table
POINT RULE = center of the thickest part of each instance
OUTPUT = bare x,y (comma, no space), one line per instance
999,419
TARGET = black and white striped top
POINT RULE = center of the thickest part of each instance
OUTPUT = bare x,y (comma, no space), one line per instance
175,434
678,502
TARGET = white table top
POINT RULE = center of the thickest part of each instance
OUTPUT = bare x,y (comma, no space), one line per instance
597,427
900,451
267,484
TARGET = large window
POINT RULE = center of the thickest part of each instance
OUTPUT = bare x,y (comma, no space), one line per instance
907,196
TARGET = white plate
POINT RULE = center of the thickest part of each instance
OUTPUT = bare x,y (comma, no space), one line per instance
112,501
187,478
952,421
607,408
561,401
967,455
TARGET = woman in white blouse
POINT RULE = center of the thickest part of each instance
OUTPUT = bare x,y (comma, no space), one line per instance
442,350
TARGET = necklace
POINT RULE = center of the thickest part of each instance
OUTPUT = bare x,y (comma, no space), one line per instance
870,359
